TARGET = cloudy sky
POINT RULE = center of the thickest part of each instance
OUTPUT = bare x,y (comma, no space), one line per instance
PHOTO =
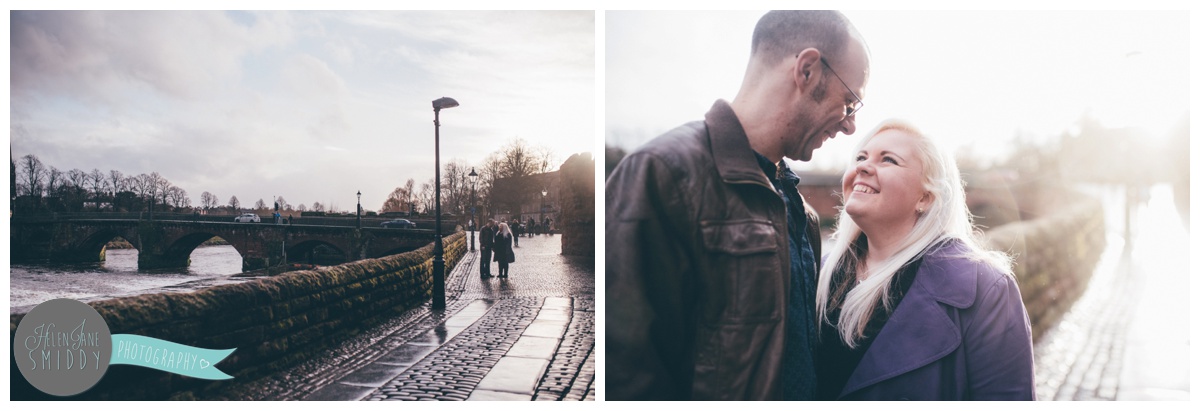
311,106
972,79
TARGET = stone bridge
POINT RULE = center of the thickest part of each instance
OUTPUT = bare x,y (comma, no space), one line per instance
169,244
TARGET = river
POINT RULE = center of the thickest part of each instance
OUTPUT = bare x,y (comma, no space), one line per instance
118,276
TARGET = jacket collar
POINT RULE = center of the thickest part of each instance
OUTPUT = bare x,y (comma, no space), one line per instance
730,147
920,331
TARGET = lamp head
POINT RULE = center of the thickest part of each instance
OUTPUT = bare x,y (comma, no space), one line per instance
444,102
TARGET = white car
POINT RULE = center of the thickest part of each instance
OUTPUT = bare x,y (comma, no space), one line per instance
247,218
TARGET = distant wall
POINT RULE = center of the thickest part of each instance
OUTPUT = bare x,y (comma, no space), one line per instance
273,322
1055,257
577,193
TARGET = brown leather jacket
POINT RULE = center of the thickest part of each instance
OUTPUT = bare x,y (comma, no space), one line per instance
696,268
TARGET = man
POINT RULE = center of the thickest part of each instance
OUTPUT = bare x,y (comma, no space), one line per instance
515,226
487,235
711,253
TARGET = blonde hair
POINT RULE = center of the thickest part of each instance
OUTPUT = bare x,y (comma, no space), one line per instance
504,229
946,218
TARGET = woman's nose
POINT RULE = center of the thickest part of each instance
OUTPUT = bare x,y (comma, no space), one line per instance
864,167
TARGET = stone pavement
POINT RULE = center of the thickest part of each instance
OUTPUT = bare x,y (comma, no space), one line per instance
1127,337
527,337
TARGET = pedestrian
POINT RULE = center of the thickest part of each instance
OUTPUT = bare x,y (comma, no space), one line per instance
912,306
504,251
532,227
711,253
516,229
487,236
289,219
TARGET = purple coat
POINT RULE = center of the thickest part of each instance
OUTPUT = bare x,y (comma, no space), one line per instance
961,333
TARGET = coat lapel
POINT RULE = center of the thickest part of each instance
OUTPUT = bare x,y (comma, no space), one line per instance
919,331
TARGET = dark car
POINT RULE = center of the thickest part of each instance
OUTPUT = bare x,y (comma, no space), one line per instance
398,223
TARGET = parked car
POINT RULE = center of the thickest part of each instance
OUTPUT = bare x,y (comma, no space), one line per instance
247,218
398,223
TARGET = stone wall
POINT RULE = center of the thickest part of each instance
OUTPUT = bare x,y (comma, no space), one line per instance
273,322
1055,256
577,193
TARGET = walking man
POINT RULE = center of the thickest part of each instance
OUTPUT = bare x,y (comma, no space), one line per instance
487,236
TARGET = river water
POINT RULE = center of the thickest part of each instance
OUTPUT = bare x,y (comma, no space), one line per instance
31,284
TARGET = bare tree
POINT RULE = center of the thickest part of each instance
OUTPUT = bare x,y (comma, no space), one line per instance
177,197
260,205
400,198
54,182
116,181
456,188
208,200
518,159
159,187
283,205
301,208
235,204
426,197
317,206
33,173
98,183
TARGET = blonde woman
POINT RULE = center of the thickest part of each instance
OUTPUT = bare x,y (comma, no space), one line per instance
503,247
911,306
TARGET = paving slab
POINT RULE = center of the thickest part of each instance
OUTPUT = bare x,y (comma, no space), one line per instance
339,392
515,375
372,375
534,347
546,328
407,354
487,395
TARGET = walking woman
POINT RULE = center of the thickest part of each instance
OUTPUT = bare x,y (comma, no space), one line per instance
502,246
911,306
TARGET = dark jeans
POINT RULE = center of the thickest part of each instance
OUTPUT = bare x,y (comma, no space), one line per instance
485,261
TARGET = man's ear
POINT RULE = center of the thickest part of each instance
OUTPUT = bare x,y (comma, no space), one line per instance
805,70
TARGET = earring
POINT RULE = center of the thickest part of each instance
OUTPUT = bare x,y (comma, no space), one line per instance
921,211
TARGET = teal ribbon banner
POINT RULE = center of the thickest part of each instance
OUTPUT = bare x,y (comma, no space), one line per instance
168,356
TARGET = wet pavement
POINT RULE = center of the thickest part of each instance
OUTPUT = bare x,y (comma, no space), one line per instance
1128,336
527,337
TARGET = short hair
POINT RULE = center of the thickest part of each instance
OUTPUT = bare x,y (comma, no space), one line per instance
783,32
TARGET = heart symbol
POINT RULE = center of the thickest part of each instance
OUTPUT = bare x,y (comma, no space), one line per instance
204,363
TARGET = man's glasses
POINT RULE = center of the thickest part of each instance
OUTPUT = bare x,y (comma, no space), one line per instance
851,108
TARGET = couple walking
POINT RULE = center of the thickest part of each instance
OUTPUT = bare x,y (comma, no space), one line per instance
716,283
495,239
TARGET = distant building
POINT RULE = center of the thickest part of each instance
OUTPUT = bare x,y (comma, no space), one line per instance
521,197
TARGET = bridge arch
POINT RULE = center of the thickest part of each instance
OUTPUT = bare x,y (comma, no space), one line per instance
91,247
179,251
310,251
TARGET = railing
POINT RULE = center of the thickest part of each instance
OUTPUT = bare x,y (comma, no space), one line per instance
338,221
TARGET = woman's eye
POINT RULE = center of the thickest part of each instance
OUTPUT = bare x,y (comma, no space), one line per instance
860,157
890,160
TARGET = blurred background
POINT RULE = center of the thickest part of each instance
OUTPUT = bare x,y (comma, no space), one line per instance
1072,131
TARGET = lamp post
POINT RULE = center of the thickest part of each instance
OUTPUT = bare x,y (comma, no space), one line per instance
439,263
474,177
543,213
358,214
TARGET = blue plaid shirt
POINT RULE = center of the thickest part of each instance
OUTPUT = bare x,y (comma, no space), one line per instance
799,380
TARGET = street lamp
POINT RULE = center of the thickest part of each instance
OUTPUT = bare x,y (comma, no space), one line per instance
474,178
439,263
358,214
